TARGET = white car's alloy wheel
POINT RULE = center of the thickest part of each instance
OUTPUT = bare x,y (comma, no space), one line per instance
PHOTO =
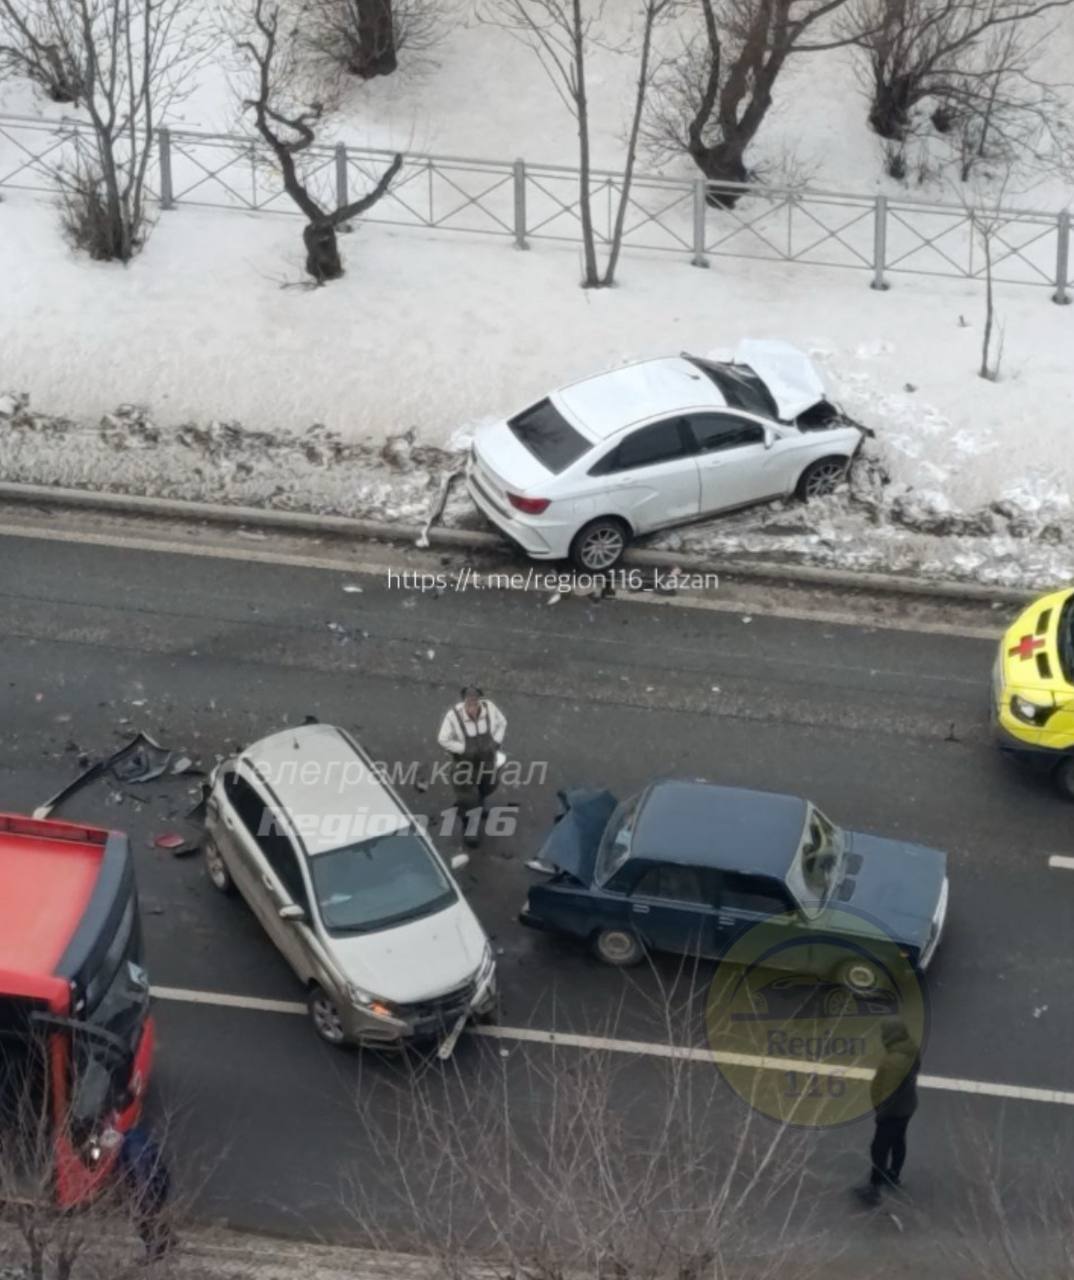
822,477
600,546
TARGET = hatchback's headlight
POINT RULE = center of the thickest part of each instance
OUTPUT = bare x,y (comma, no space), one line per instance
1030,712
369,1003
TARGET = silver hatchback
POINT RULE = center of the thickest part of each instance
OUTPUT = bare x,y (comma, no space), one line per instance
350,889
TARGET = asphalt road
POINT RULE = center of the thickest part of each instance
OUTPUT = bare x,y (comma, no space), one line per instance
885,729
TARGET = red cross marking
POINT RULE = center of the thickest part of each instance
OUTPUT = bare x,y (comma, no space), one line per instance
1027,647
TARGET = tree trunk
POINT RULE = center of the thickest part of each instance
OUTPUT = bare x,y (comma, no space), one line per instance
889,113
725,162
322,252
581,101
375,55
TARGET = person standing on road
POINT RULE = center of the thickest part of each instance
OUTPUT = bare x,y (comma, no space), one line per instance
472,733
148,1185
894,1096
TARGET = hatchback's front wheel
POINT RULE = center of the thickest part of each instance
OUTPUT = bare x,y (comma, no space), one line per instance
599,545
325,1016
1064,777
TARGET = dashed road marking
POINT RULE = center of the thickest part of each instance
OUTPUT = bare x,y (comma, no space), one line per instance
650,1049
1061,863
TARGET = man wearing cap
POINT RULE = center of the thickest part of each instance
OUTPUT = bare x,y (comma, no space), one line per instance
472,733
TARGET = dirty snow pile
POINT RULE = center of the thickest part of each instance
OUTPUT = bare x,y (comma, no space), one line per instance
1024,538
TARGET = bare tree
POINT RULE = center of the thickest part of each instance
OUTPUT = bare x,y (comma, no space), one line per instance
38,1239
913,50
714,98
126,62
541,1163
365,37
269,44
29,46
562,33
987,220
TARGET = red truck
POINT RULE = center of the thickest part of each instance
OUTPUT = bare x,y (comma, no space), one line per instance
76,1035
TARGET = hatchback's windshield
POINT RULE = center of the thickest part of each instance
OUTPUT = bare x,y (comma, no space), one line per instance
615,843
815,871
739,386
548,436
1065,640
379,882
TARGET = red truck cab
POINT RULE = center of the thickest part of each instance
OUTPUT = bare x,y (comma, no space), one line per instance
76,1035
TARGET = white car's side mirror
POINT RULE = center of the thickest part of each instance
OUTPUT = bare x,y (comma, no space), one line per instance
460,860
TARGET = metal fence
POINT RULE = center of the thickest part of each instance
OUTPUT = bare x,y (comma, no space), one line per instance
527,202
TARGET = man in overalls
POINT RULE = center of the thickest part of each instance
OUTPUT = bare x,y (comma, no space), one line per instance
472,733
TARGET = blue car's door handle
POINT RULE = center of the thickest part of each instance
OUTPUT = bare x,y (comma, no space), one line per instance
639,906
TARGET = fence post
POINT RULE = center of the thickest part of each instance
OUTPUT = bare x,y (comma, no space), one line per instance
341,175
1062,259
520,204
880,242
700,224
164,155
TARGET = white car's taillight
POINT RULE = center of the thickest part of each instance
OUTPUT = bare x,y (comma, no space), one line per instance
530,506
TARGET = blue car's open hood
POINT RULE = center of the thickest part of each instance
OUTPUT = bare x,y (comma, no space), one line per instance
573,842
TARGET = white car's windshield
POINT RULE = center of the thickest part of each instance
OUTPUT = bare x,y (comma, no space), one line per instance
380,882
615,843
815,870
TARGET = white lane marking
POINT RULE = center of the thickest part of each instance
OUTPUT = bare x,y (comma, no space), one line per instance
1061,863
649,1049
370,568
220,999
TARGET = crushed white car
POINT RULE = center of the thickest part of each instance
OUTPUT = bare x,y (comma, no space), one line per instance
659,443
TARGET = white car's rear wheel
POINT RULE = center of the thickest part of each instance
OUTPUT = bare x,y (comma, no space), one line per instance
821,477
599,545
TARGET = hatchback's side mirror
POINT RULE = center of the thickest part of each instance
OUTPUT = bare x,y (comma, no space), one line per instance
292,911
460,860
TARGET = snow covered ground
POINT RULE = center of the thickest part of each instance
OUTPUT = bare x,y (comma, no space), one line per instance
434,333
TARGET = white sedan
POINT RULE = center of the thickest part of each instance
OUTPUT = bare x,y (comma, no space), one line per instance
658,443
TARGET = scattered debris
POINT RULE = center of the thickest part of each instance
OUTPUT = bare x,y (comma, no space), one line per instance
715,689
430,654
747,618
352,589
439,503
1039,1010
138,760
555,597
170,840
39,697
252,533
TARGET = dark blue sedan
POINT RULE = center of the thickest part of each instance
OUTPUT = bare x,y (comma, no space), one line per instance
688,867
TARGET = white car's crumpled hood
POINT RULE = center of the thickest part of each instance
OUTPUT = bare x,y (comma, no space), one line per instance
417,960
789,374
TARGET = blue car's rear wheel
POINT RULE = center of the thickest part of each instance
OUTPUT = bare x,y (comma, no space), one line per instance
619,947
